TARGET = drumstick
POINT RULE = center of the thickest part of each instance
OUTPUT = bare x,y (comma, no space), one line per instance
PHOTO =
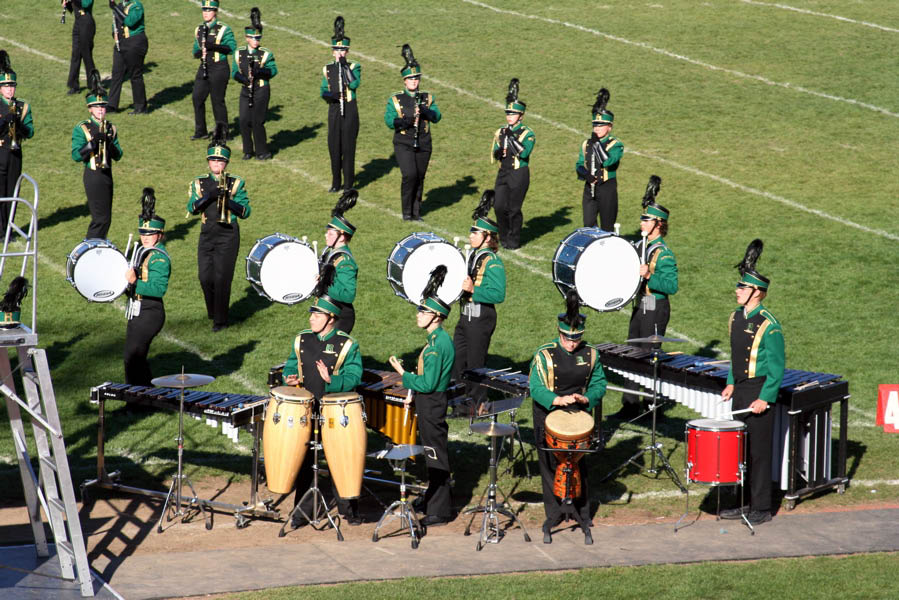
406,407
740,412
128,245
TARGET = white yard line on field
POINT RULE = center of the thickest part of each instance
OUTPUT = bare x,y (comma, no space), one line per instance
562,126
687,59
805,11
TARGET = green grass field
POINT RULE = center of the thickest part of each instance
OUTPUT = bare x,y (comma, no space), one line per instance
761,121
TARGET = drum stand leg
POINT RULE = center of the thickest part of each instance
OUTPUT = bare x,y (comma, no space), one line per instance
320,512
490,531
513,453
177,484
406,514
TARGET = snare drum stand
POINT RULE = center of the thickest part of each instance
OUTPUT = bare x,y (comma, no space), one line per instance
174,494
316,493
654,448
402,508
742,468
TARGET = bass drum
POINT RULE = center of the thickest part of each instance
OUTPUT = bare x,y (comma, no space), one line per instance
282,268
602,267
96,268
414,257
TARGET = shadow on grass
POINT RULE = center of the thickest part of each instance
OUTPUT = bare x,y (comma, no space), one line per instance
170,95
539,226
58,352
374,170
180,231
287,138
65,214
448,195
247,306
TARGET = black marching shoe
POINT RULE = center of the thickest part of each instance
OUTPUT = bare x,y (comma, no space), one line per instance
734,513
333,189
547,535
139,111
200,136
247,155
264,156
435,521
72,91
757,517
216,328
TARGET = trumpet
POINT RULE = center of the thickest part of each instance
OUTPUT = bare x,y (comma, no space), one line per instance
14,143
222,200
103,151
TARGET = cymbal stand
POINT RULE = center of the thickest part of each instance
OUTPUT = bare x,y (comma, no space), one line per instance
495,408
654,448
490,531
320,512
175,489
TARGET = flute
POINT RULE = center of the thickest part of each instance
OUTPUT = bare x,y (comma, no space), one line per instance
340,85
643,262
132,264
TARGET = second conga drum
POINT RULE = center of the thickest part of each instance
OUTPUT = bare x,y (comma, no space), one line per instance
344,441
568,429
288,427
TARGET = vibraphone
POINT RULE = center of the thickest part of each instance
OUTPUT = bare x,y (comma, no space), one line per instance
801,459
233,411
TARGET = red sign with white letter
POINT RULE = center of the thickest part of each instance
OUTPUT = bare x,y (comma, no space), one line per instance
888,408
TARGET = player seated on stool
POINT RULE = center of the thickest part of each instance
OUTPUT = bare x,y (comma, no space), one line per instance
435,365
565,373
753,381
323,360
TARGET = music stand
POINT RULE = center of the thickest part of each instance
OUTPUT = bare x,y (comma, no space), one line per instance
655,447
317,509
182,381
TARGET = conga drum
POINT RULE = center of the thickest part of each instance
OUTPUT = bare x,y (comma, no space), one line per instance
288,427
344,441
568,429
716,451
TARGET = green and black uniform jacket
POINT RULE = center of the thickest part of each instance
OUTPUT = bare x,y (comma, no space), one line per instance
435,365
88,130
524,135
556,372
757,350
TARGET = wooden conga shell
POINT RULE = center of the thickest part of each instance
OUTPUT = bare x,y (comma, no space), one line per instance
568,429
344,440
285,437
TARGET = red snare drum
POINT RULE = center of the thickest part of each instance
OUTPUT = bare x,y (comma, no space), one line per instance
716,451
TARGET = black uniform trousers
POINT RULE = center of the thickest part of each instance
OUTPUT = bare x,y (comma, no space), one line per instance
433,429
342,132
83,30
215,86
510,188
216,257
603,202
10,169
129,62
347,318
472,340
760,430
252,120
139,334
98,187
645,324
552,505
413,166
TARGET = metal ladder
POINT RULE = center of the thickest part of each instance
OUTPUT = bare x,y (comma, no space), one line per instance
51,489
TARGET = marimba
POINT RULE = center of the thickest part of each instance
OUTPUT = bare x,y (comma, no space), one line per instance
801,454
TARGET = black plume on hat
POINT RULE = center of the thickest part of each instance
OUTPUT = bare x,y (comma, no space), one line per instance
338,28
434,282
573,316
12,300
94,84
5,65
512,94
602,98
147,204
220,137
256,19
652,190
484,204
409,57
346,202
753,252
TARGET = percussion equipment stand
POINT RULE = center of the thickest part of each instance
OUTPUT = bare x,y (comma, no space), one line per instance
402,509
314,491
175,489
741,466
654,448
490,531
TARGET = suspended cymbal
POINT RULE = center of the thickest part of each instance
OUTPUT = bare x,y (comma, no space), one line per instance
398,452
182,380
492,429
655,339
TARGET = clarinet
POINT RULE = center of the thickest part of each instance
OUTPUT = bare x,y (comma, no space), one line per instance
62,19
417,127
251,60
204,31
115,33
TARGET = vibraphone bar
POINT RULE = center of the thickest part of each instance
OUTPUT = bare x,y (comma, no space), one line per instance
802,425
233,411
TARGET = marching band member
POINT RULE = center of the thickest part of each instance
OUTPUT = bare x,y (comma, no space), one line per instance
323,360
337,267
753,381
16,124
128,54
435,365
482,290
659,273
597,164
221,198
150,278
410,114
212,74
83,30
340,80
95,142
512,147
564,373
254,66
